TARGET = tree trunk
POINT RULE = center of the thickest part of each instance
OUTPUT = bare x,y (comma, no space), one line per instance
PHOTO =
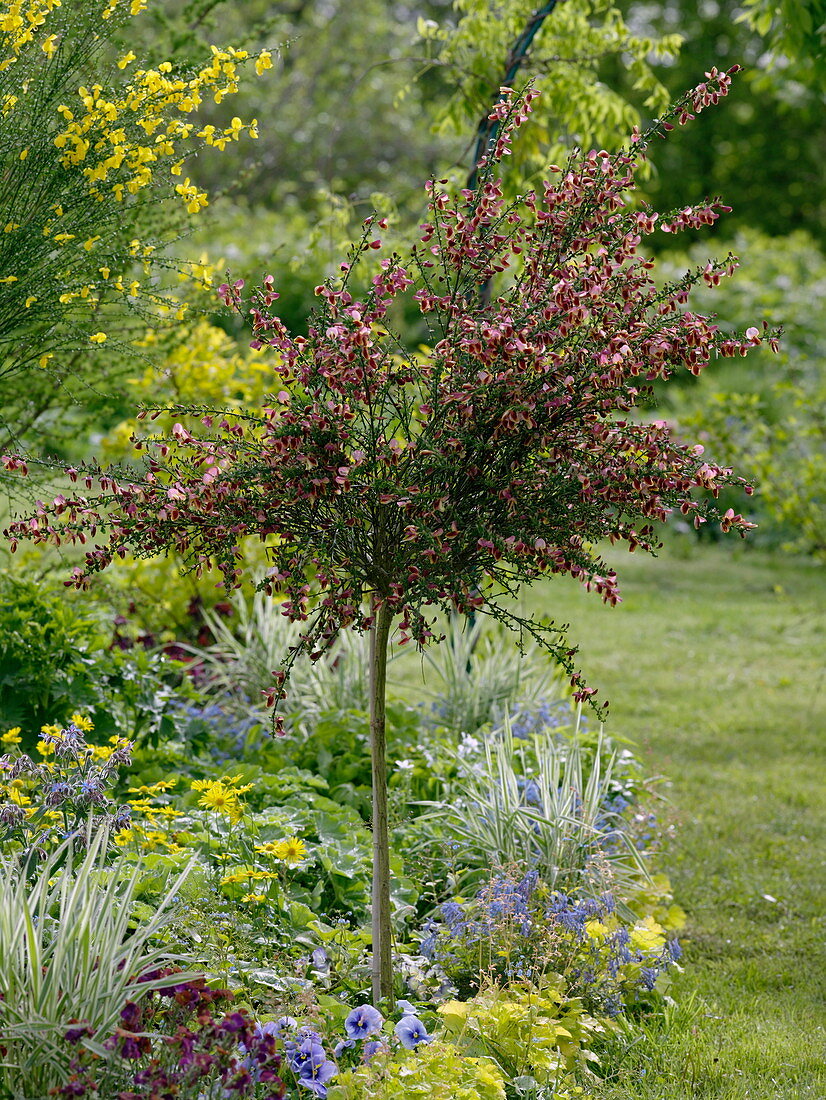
382,953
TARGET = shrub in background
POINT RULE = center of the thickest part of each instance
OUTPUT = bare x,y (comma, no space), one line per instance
57,658
770,415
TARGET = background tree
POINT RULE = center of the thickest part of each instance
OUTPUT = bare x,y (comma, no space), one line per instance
402,478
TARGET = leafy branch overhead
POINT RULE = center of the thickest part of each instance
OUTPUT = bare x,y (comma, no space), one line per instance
563,46
444,478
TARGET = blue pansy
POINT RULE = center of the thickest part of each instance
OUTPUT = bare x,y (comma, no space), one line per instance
374,1047
315,1075
411,1031
363,1021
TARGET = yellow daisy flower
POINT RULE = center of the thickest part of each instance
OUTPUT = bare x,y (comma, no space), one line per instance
292,850
221,799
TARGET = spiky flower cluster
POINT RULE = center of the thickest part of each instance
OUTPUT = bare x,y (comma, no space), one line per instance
441,478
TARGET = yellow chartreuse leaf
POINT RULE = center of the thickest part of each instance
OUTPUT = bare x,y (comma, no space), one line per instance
647,935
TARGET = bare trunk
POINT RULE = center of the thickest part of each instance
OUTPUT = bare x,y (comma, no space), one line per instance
382,934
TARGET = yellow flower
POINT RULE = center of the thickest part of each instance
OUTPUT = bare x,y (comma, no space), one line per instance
82,723
168,811
221,799
292,850
126,59
48,45
233,781
269,849
101,752
254,897
142,805
154,788
98,337
237,876
12,736
263,62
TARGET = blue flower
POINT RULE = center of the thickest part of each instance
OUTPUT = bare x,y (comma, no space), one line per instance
648,977
316,1076
306,1051
371,1049
411,1031
406,1008
284,1022
453,913
341,1046
363,1021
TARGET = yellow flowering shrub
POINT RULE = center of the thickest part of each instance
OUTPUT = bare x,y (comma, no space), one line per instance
93,188
203,366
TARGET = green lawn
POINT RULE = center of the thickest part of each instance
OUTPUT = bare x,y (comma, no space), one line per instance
715,667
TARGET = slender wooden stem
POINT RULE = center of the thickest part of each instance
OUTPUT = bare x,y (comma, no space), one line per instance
382,933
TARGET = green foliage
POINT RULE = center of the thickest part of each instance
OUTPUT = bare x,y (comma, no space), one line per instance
769,417
531,1032
794,30
565,62
69,949
55,660
437,1071
764,152
42,637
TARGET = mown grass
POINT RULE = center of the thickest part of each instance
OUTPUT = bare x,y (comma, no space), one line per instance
714,667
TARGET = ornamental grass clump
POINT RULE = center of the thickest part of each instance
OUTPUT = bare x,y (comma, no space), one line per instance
391,482
546,804
71,951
